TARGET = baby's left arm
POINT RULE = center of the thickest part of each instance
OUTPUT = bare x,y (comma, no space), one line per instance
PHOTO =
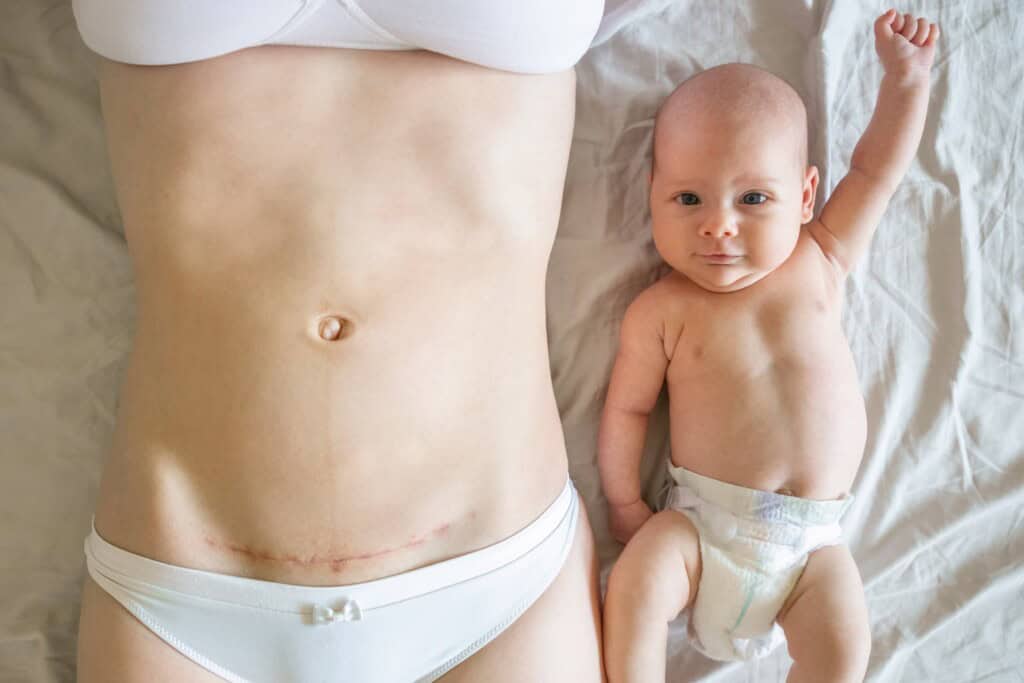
906,47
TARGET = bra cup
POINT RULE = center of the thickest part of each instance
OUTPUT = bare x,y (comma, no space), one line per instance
176,31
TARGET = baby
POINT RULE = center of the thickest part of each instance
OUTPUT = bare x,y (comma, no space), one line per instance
767,420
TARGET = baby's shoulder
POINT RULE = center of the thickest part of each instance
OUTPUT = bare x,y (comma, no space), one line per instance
658,307
666,295
675,291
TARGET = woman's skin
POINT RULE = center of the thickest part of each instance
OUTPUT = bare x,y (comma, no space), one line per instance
271,197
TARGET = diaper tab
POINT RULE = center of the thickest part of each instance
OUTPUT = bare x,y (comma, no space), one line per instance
761,506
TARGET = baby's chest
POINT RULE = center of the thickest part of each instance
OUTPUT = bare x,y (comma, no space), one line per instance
746,336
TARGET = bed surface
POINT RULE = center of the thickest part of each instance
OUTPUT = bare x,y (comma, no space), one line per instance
934,313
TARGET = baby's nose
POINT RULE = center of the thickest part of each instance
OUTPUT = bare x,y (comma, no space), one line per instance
720,225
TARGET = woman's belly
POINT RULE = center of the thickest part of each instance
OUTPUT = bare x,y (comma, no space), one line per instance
246,442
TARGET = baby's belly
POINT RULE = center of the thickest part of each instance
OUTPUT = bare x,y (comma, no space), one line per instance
798,428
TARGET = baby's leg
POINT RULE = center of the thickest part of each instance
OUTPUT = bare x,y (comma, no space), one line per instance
826,620
653,580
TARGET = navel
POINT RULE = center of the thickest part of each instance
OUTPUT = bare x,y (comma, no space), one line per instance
334,327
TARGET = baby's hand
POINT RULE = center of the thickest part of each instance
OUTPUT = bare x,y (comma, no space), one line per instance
625,520
905,45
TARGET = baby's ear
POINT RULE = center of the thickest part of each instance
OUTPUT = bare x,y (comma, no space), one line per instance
809,193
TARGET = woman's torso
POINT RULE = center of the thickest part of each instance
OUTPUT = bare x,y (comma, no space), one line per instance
414,196
763,389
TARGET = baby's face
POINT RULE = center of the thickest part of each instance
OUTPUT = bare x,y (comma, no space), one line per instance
727,202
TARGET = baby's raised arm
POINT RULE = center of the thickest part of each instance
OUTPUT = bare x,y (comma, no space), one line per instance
906,47
635,383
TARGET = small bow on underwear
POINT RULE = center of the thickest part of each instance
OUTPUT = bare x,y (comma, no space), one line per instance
346,610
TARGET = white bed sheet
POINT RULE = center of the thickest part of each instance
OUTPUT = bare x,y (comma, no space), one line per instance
934,313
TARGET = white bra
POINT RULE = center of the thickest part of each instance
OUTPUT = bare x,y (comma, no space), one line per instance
528,36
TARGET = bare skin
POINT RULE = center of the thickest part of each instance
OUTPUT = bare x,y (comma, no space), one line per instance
746,333
340,369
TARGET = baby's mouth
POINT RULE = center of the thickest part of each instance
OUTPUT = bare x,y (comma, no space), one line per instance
718,258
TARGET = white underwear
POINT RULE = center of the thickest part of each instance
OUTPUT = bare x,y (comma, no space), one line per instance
754,546
410,627
529,36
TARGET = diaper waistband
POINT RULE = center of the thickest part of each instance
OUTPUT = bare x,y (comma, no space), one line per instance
764,506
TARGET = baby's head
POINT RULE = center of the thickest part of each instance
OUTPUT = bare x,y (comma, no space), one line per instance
730,185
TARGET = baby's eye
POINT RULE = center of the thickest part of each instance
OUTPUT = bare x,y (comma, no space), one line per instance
688,199
755,198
